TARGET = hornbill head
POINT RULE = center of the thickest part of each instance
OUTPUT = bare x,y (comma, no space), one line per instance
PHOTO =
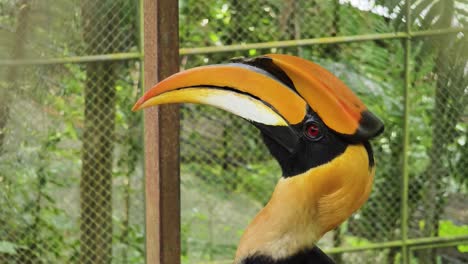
315,127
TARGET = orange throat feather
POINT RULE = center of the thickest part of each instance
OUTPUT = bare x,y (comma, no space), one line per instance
306,206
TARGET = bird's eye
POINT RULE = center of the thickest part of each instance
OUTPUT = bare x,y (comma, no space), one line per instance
313,131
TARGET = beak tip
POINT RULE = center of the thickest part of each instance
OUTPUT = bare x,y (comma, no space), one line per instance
138,104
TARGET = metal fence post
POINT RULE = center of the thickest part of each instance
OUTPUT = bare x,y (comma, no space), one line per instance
405,173
162,184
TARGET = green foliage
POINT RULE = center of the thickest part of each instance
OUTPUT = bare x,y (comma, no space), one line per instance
448,228
224,161
375,71
39,170
357,241
31,169
8,248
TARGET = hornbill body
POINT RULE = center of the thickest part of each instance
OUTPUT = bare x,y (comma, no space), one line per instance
314,126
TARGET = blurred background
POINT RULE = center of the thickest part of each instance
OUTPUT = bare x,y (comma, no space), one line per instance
71,151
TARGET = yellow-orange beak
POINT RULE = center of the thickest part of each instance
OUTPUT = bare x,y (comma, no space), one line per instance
272,90
244,90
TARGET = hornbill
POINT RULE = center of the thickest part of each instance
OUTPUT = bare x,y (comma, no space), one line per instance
314,126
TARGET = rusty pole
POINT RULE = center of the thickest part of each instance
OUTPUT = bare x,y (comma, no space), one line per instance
162,183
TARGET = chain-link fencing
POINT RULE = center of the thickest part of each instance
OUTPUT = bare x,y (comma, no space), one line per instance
419,194
71,184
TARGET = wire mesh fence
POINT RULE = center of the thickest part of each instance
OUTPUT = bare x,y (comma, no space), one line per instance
71,184
68,28
236,159
223,152
58,199
70,151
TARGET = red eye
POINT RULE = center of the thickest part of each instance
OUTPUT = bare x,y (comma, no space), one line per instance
313,131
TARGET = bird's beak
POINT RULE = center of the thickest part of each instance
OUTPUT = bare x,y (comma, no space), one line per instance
253,91
246,91
340,109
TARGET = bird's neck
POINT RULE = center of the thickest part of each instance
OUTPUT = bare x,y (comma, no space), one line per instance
304,207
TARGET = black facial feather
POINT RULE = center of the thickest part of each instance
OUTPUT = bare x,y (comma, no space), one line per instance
308,153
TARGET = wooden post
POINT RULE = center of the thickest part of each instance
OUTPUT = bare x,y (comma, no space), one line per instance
162,183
